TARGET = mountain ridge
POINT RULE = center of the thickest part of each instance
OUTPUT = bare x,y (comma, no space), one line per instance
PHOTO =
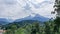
36,17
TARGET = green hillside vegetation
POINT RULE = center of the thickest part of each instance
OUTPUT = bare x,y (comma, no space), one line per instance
34,27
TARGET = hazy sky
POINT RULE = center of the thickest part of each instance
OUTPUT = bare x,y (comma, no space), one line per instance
14,9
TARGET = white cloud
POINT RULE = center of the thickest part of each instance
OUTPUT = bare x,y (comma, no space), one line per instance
11,9
44,9
15,8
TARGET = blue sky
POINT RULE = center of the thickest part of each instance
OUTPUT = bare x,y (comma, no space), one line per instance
14,9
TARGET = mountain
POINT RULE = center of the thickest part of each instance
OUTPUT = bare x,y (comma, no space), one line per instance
36,17
40,18
3,21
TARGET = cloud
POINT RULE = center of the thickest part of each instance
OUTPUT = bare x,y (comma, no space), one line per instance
45,9
27,7
11,9
10,2
21,8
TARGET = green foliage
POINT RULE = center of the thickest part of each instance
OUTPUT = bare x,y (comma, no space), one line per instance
36,27
57,5
57,24
57,21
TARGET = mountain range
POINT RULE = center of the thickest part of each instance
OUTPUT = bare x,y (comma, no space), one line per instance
36,17
3,21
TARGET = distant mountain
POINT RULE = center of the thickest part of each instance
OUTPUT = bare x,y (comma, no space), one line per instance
40,18
36,17
3,21
28,20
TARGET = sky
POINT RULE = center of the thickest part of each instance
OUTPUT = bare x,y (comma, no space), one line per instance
15,9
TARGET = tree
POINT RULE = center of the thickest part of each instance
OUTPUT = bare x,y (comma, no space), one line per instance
47,28
11,29
57,24
57,7
35,28
57,20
